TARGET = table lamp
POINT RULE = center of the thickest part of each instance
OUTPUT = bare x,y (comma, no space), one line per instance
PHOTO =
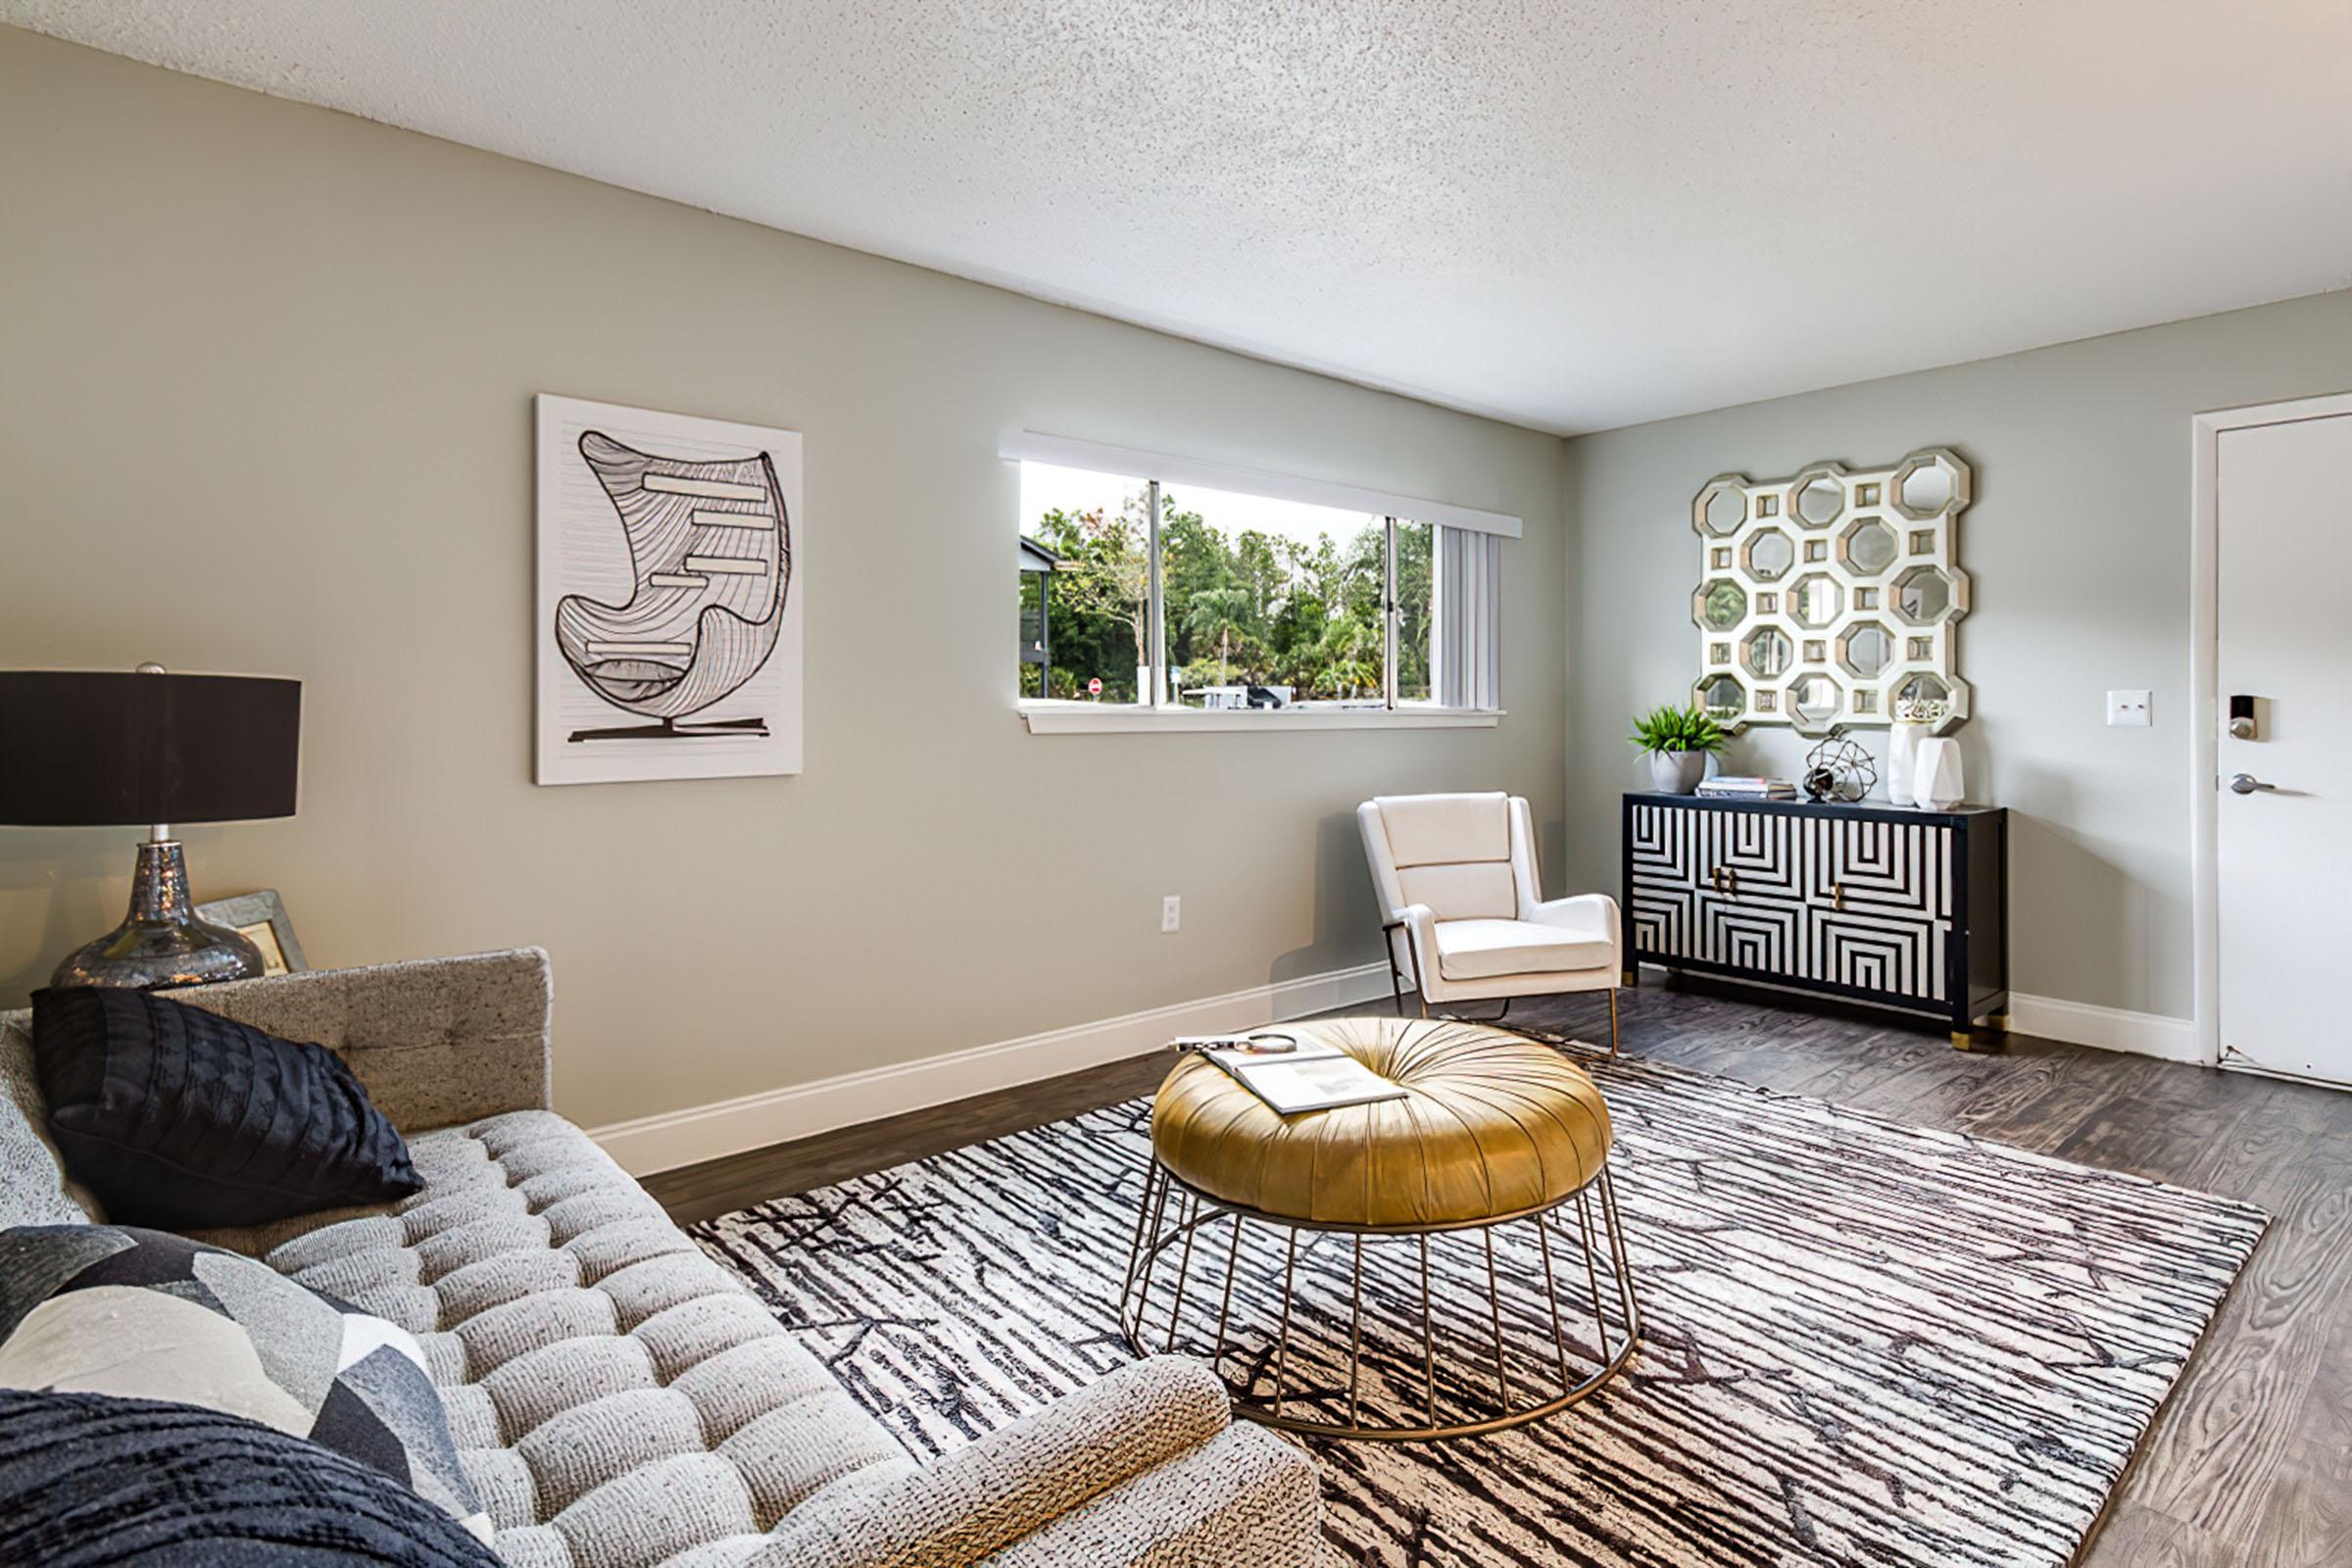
93,748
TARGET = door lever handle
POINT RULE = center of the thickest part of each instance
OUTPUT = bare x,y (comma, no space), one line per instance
2247,784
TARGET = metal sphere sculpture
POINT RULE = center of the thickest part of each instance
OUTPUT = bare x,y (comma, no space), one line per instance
1839,770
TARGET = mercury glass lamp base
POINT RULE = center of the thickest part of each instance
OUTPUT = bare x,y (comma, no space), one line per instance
145,954
160,942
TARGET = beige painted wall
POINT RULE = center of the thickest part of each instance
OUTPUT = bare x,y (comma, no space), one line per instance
265,406
2078,542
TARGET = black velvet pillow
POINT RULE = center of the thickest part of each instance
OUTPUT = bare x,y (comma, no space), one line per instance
180,1119
86,1480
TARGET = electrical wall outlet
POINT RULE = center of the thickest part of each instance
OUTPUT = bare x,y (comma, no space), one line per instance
1171,913
2127,707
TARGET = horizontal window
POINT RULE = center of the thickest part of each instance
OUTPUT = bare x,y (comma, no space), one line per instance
1160,599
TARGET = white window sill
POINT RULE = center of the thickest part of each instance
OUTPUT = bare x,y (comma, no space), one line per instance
1112,718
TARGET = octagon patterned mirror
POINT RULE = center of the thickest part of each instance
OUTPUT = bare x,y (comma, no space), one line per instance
1926,490
1769,555
1722,696
1928,483
1868,547
1815,699
1820,500
1815,600
1722,604
1922,596
1724,511
1866,650
1923,689
1766,652
1833,595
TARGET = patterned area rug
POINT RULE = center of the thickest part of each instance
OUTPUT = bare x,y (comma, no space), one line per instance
1862,1343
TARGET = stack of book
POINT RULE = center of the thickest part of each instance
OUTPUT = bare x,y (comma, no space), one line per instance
1736,788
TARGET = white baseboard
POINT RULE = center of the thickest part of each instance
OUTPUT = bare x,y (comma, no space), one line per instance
2105,1028
671,1139
676,1137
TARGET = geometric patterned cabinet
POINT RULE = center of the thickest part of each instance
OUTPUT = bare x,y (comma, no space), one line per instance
1880,905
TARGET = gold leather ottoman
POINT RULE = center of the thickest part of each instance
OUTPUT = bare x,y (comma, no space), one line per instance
1495,1130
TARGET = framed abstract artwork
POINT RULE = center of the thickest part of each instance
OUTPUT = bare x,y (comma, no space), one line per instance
671,595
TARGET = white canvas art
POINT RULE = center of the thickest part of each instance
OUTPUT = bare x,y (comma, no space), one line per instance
671,598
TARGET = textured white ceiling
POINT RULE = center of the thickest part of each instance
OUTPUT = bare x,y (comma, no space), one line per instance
1572,214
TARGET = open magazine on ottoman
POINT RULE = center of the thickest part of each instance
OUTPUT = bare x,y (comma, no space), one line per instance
1289,1074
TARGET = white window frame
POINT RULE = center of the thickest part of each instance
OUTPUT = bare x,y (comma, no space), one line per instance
1155,714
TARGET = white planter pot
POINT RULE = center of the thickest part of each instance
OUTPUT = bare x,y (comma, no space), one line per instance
1677,772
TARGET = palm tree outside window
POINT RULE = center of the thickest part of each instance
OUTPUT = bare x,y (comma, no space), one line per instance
1257,604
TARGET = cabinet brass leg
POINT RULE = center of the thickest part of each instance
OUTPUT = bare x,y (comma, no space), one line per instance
2000,1022
1632,978
1964,1040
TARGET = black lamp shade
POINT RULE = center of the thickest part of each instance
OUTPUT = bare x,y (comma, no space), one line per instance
93,748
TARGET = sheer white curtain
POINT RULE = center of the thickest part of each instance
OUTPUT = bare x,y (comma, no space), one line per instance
1465,635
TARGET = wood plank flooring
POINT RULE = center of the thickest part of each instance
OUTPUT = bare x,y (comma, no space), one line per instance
2251,1464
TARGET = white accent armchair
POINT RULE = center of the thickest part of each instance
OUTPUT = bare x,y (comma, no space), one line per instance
1462,912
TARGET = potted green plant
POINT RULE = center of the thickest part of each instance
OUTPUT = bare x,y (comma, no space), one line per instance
1678,740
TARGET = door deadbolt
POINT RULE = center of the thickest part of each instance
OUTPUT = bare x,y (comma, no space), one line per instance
2241,718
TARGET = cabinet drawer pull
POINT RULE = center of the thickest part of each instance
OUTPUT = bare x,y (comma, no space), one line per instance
1838,896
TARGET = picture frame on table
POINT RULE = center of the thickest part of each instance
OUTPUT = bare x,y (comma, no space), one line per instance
260,918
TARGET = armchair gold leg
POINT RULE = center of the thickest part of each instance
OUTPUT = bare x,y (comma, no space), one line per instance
1612,1020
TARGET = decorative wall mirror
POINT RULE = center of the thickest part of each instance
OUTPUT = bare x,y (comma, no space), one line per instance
1831,597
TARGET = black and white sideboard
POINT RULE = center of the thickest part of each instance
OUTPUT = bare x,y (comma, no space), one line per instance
1873,904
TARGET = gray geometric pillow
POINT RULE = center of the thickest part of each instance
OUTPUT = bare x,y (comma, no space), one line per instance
34,1186
149,1315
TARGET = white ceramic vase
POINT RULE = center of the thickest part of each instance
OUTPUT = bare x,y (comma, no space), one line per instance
1902,758
1937,785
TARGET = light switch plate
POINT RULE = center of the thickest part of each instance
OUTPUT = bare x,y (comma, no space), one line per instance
2127,707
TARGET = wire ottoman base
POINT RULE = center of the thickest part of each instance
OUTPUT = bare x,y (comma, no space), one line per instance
1490,1379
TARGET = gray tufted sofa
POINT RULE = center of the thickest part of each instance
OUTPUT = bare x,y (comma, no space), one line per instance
623,1402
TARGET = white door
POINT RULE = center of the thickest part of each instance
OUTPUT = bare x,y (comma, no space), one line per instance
2283,831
